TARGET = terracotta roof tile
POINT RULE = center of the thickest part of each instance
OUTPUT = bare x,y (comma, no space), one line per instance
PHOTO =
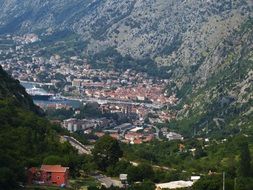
53,168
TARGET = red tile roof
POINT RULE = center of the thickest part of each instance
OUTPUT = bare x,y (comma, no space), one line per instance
53,168
137,141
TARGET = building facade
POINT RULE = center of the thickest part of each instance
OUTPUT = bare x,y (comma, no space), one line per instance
49,175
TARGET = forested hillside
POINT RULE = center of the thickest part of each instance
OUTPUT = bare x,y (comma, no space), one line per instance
11,90
26,139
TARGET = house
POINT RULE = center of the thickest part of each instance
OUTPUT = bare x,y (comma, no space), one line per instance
136,141
115,136
132,136
99,134
49,175
77,82
74,124
174,136
123,179
124,127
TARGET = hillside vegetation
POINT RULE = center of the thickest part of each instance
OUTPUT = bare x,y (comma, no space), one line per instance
26,139
223,105
12,90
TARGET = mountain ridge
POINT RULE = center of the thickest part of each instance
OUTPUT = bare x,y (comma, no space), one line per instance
178,34
224,103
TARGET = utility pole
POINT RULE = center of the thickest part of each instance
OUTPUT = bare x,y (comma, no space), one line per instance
235,184
223,181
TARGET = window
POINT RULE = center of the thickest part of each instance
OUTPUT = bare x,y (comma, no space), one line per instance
58,177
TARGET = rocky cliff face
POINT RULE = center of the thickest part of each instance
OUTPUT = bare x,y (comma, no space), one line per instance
169,31
224,105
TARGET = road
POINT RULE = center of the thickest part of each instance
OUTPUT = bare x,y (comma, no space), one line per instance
82,149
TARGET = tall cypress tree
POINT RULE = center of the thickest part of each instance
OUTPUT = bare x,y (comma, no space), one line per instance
245,159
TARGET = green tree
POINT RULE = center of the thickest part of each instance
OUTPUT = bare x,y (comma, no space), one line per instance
53,160
93,188
147,171
7,179
199,152
244,184
140,173
208,183
245,159
212,183
106,152
118,168
88,164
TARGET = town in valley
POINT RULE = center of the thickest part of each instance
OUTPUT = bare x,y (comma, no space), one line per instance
138,101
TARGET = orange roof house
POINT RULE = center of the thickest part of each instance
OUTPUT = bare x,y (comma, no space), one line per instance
49,175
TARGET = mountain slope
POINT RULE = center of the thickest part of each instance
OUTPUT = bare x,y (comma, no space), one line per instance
182,35
135,27
223,106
